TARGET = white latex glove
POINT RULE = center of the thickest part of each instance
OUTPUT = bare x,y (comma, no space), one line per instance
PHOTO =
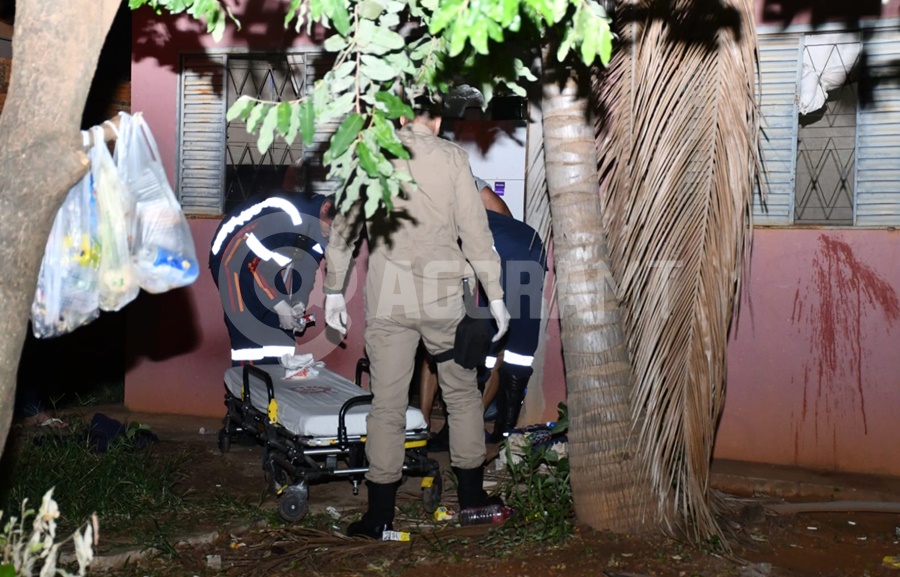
501,316
297,312
336,313
285,315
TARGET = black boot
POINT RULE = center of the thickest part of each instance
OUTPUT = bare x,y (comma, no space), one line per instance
380,516
470,489
510,396
440,442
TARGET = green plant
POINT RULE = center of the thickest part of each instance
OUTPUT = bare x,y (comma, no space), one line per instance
25,553
538,489
119,485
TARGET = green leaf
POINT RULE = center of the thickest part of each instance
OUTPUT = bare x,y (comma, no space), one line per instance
307,122
510,9
589,46
339,16
241,108
457,40
346,134
340,85
387,138
292,13
478,36
495,31
606,44
283,118
443,14
7,570
559,9
351,194
377,69
294,127
267,132
373,198
315,9
217,29
367,159
390,20
370,9
565,44
335,43
256,115
344,69
388,39
394,105
338,107
386,193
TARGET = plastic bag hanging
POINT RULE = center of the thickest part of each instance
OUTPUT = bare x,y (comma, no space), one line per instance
162,251
67,296
118,284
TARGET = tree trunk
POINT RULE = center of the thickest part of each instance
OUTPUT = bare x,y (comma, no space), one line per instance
56,45
607,478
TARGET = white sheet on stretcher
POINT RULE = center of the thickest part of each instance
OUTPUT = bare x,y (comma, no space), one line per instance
309,407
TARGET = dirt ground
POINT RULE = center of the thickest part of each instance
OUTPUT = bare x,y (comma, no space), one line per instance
257,544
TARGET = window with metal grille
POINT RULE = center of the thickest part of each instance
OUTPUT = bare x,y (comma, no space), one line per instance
220,164
830,115
826,133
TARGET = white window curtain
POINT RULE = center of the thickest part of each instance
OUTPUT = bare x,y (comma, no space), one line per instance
827,60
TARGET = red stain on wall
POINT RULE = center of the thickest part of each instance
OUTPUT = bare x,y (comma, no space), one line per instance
842,291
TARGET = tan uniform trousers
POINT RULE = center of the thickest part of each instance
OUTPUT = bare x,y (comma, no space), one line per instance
391,343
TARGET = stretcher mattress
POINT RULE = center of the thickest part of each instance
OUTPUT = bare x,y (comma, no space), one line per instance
309,407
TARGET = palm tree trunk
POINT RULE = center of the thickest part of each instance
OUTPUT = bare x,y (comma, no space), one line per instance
606,476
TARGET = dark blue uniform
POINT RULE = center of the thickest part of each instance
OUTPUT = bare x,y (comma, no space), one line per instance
265,251
524,263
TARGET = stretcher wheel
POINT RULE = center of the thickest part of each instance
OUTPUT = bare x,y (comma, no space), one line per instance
432,488
292,507
224,441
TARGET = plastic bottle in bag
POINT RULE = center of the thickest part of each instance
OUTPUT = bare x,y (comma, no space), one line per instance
487,515
166,267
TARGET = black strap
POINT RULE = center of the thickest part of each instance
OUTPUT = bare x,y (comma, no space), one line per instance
445,356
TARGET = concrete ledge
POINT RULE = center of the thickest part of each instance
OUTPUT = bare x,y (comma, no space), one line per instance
793,483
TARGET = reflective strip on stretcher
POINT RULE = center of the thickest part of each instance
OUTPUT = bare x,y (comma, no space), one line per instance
259,353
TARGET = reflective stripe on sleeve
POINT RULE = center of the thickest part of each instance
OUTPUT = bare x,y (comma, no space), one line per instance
517,359
262,252
248,213
490,362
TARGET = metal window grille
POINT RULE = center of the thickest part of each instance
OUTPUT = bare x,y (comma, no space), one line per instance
826,150
281,78
220,164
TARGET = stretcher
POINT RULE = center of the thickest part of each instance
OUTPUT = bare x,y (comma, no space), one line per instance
313,430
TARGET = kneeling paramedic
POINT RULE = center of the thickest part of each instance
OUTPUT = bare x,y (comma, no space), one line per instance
414,290
263,259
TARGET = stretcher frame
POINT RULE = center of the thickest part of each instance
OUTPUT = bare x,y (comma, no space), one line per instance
291,462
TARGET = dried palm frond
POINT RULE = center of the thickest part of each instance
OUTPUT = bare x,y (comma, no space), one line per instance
677,141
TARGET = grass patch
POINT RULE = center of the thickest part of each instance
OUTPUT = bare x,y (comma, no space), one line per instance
119,485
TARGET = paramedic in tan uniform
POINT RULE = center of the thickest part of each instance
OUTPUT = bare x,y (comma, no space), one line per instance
413,290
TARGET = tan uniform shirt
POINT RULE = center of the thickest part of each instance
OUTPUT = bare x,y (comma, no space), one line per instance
415,261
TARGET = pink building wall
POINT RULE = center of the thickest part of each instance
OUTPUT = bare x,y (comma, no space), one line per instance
813,367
